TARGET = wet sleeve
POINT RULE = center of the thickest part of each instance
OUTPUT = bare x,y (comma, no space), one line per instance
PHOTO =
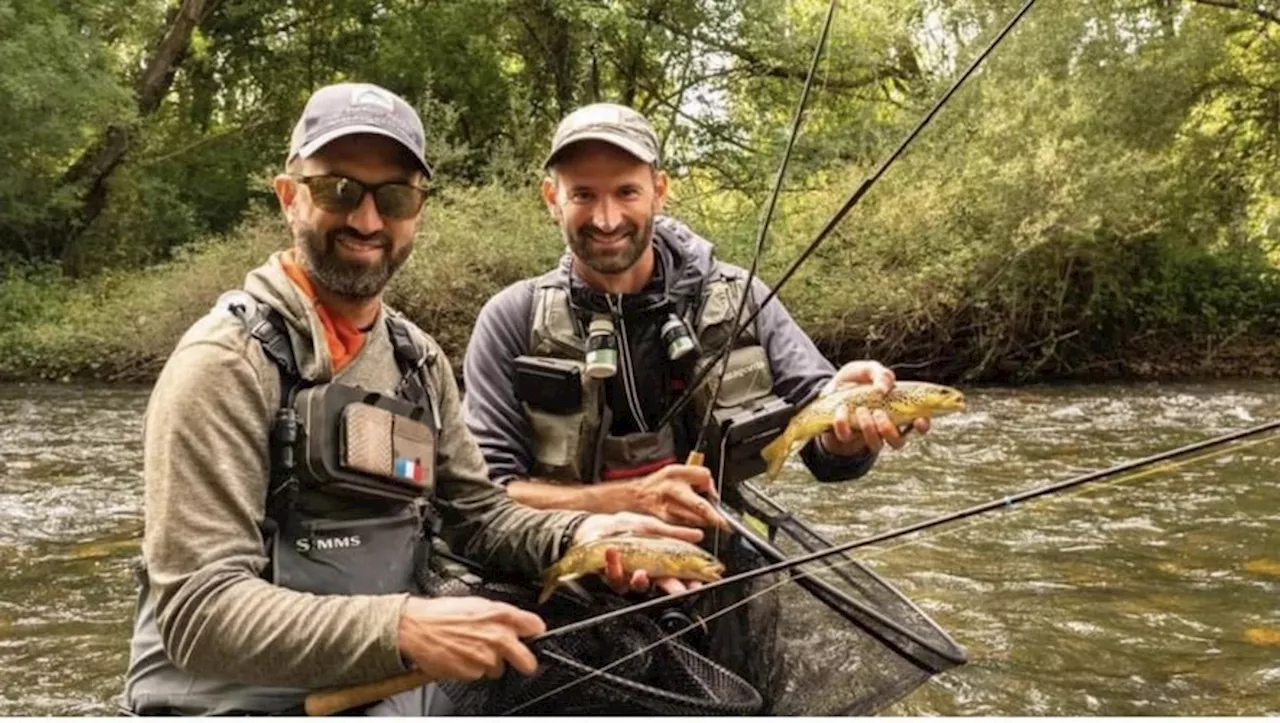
492,412
206,471
799,372
481,522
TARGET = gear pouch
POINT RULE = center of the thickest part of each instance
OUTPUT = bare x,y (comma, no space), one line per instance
371,556
364,443
550,384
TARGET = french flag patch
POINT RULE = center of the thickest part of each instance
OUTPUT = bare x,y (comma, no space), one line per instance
409,469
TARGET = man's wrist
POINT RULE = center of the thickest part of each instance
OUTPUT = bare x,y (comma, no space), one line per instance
610,497
569,533
821,442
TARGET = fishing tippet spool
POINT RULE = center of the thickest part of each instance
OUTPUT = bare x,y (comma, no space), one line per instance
677,338
602,348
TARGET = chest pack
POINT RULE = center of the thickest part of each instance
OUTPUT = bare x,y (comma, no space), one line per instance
571,415
349,507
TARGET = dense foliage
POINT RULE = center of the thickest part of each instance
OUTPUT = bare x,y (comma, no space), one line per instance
1104,197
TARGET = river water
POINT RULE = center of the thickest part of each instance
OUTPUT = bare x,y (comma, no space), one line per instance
1150,594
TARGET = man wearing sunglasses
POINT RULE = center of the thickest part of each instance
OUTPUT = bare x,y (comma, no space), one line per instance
569,374
301,445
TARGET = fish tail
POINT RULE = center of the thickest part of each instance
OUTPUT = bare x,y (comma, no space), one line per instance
775,453
548,588
551,582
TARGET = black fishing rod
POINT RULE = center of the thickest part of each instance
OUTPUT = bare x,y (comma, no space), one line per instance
683,400
770,206
867,618
1001,503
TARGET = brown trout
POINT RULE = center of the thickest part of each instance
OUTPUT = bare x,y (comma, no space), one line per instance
659,556
907,401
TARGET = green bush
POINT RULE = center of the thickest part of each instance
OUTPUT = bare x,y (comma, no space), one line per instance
973,300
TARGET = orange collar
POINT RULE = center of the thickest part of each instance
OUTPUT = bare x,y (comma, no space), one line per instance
342,337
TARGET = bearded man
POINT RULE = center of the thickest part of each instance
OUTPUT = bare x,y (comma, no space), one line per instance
302,446
568,374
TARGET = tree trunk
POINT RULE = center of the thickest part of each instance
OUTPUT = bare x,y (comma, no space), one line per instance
94,167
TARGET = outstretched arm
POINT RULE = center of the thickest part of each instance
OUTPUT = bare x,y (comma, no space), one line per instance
800,372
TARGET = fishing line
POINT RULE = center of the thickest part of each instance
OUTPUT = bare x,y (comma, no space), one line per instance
683,400
1155,468
686,396
736,329
770,206
1006,501
795,575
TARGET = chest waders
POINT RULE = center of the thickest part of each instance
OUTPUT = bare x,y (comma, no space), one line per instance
349,509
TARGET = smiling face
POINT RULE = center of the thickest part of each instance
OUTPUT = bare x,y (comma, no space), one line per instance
350,254
605,200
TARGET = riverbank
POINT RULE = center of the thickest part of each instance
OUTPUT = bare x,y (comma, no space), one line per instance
1038,308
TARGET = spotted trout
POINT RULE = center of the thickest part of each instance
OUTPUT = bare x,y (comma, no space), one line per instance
659,556
907,401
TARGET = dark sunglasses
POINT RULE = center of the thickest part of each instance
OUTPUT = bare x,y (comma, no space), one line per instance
339,194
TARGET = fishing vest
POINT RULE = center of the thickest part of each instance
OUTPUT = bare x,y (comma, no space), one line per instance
349,510
575,444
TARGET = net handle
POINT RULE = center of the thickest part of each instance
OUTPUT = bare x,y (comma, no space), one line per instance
336,700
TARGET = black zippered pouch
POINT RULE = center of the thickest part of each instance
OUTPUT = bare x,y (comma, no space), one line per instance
552,385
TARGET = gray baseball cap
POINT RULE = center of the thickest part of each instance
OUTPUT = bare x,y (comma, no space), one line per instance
343,109
609,122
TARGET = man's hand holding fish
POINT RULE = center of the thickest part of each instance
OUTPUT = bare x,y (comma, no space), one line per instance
873,427
624,575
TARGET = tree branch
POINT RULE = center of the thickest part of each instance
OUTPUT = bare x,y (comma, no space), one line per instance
767,68
1258,10
92,169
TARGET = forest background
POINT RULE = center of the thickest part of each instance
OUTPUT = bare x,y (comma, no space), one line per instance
1101,200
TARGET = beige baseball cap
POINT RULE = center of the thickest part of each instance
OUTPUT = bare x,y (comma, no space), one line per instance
611,123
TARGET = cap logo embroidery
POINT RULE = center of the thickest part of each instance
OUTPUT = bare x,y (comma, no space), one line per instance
372,96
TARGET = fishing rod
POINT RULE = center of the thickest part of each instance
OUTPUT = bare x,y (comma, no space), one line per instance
867,618
695,456
332,701
880,538
1003,502
723,355
683,400
328,702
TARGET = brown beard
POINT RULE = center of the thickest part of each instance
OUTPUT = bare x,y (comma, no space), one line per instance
638,241
353,281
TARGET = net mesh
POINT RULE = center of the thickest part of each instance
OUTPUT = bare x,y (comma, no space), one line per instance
668,678
854,657
751,648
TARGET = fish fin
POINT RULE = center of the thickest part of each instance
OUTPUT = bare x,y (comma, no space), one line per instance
551,584
576,588
776,452
547,589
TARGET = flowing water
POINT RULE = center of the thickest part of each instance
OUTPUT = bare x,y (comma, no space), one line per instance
1155,593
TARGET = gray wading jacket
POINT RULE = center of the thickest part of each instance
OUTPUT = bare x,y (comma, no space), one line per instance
503,332
212,633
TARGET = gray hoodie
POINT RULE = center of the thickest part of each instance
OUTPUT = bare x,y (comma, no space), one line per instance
206,470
